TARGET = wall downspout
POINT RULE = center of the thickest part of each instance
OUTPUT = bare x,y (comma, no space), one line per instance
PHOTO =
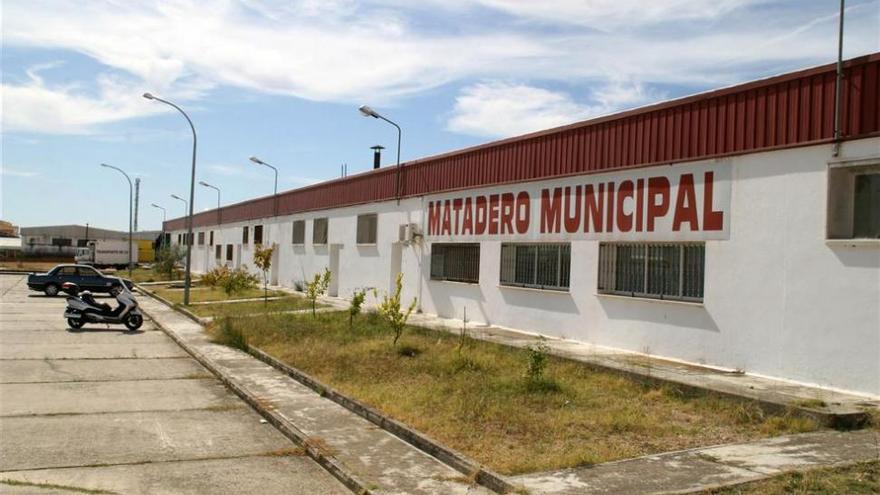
838,84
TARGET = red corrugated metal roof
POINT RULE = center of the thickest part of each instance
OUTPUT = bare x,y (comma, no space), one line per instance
795,109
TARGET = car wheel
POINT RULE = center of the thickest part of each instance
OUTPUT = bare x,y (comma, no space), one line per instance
133,322
51,290
75,322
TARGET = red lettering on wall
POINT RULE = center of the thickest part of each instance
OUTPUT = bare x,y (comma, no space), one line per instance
507,202
640,204
551,210
433,218
523,212
493,214
657,187
594,208
467,224
572,219
481,216
624,220
446,227
712,219
685,213
609,217
456,207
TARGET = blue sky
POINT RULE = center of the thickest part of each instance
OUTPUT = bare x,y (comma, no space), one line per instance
283,79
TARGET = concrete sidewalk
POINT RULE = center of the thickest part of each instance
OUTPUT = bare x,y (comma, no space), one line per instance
126,412
370,457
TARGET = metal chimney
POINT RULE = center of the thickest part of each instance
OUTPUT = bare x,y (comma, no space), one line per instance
377,155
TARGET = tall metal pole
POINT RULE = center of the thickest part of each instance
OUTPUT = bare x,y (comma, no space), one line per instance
838,84
275,199
203,183
161,242
130,199
369,112
192,192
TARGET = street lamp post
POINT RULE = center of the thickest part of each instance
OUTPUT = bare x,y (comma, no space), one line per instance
162,242
275,198
369,112
130,199
185,203
203,183
192,191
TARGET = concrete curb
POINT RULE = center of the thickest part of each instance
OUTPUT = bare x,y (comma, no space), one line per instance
329,463
450,457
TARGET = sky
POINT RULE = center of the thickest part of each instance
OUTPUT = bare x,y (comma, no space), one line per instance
282,80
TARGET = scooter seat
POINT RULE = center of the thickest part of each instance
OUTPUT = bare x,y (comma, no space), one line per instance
90,300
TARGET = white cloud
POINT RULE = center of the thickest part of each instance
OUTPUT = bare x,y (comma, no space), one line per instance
347,51
498,109
13,172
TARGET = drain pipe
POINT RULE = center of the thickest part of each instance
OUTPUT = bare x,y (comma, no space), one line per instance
838,84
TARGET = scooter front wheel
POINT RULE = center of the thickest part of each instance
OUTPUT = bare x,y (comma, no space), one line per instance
133,322
75,322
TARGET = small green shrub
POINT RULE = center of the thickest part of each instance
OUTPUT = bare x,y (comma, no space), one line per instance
354,309
215,276
238,280
392,312
537,359
263,260
317,287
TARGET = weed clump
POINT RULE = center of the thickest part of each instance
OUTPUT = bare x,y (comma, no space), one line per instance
537,359
230,335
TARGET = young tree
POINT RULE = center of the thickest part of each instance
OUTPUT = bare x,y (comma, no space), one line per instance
169,258
357,300
263,260
390,309
317,287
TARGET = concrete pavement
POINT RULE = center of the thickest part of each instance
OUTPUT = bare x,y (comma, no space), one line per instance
126,412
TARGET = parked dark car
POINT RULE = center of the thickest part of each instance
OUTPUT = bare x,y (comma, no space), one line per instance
86,277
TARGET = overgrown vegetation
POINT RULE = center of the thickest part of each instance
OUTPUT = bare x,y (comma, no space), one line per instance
263,261
354,307
289,303
168,261
537,358
203,294
318,287
230,335
480,404
863,478
391,310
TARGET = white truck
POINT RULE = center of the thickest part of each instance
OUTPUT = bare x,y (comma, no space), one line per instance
107,253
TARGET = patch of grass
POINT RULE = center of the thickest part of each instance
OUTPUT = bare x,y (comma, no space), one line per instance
204,294
478,400
286,452
812,403
863,478
407,350
52,486
231,335
147,275
290,303
31,266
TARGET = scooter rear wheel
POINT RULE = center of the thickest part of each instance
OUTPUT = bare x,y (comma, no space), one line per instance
75,322
133,322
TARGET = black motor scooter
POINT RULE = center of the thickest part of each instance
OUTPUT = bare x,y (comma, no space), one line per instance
82,308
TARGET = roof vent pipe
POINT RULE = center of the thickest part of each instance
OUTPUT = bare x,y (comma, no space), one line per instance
377,155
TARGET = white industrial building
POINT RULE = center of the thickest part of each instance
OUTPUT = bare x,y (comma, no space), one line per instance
729,228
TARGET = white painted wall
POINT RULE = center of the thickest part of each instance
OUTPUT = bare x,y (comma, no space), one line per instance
779,299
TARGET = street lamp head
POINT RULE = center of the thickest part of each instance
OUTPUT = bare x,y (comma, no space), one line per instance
105,165
203,183
368,112
149,96
177,197
257,160
155,205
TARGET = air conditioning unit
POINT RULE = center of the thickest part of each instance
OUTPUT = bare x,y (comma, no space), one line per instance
408,232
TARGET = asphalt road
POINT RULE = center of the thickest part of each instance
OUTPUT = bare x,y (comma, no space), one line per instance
126,412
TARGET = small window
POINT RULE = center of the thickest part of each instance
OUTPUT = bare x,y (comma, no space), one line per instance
299,232
854,201
82,243
455,262
218,252
67,270
244,235
366,228
229,252
211,238
62,241
538,266
180,238
653,270
319,231
201,238
258,234
167,239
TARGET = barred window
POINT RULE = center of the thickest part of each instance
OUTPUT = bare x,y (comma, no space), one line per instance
244,235
538,266
258,234
299,232
366,228
201,238
211,239
655,270
319,231
455,262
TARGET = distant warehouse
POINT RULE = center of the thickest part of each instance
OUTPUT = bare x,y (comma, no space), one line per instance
728,228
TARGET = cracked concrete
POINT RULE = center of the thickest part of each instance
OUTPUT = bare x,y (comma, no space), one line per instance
127,412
